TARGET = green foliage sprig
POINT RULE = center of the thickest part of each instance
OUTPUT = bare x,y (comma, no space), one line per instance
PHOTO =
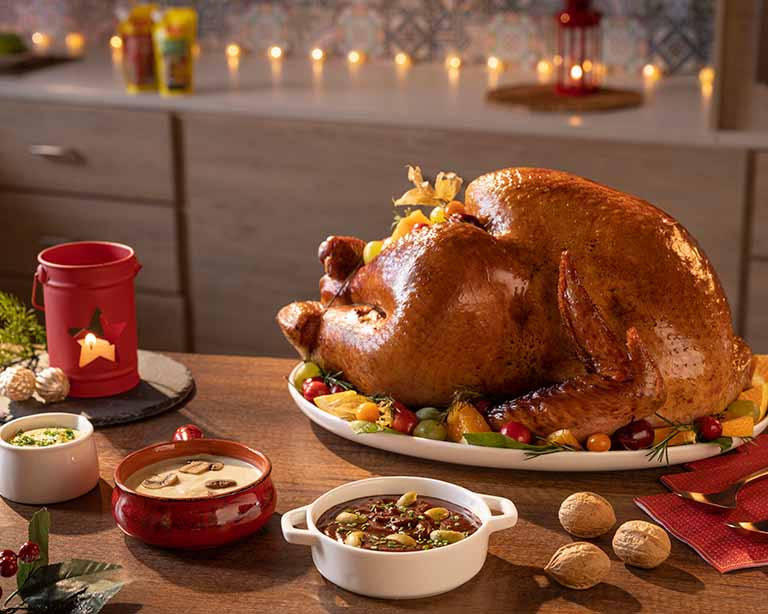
22,337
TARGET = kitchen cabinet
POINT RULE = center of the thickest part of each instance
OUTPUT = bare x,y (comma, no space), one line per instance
262,194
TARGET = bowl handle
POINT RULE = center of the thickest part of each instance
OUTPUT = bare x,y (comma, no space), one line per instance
293,535
508,516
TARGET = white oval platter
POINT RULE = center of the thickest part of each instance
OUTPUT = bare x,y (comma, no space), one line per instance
504,458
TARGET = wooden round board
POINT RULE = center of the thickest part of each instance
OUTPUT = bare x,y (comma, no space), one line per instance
504,458
544,98
165,384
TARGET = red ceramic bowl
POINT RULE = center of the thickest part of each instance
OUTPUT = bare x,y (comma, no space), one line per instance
193,523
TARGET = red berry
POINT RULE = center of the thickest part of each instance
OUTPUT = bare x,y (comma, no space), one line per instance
308,381
419,226
337,388
29,552
8,566
635,435
187,432
709,428
515,430
404,420
312,389
5,553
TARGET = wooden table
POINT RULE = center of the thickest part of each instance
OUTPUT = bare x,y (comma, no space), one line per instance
246,399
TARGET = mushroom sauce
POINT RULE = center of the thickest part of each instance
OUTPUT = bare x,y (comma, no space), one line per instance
392,523
193,477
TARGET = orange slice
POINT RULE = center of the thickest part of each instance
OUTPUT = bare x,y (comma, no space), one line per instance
760,373
759,396
739,427
682,438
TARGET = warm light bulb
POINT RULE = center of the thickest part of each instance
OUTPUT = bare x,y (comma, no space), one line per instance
402,59
90,340
650,71
317,54
453,61
707,75
494,63
543,67
233,50
74,42
116,42
576,72
355,57
41,40
275,52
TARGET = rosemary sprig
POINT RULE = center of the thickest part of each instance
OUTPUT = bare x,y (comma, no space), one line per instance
660,452
336,379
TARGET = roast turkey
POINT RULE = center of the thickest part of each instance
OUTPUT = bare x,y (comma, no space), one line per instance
573,306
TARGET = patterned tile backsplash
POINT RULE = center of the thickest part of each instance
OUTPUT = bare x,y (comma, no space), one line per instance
675,34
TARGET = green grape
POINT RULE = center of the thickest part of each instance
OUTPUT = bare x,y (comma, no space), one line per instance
437,215
304,372
743,408
430,429
371,250
429,413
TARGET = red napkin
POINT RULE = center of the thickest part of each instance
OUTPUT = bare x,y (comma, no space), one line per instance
703,528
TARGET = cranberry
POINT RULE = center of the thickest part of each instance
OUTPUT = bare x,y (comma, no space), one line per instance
404,420
517,431
482,406
5,553
337,388
8,566
314,388
635,436
187,432
709,428
29,552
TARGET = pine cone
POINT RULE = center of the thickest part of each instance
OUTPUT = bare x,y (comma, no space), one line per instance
52,385
17,383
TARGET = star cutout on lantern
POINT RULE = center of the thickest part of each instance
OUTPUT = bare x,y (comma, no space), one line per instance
112,330
91,348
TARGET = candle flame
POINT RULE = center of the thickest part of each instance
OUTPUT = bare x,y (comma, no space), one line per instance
90,340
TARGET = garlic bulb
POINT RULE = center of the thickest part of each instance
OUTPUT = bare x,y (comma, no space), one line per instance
52,385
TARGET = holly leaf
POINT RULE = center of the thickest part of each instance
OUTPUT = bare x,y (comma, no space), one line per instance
39,527
725,443
76,586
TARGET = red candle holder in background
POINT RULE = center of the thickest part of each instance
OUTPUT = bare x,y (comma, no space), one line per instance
90,315
578,62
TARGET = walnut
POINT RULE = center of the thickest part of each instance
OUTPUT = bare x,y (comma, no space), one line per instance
641,544
579,565
586,514
17,383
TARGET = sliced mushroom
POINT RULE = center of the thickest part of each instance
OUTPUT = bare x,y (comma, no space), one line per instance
196,467
220,484
216,466
160,481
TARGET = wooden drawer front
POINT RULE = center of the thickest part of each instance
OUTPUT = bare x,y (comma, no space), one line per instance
161,320
760,203
86,150
263,194
757,317
36,222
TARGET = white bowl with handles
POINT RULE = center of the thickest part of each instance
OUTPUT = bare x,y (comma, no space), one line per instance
51,474
399,575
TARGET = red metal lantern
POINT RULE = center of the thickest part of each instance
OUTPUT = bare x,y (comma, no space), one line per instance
90,315
578,59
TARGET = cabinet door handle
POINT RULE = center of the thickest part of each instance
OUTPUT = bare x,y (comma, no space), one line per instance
56,153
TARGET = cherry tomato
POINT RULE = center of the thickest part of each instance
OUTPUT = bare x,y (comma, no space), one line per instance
314,387
367,411
29,552
404,419
187,432
337,388
635,435
8,566
709,428
515,430
599,442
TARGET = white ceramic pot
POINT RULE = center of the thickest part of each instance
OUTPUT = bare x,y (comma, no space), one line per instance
399,575
46,475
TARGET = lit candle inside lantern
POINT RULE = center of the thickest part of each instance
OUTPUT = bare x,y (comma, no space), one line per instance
317,54
651,72
91,348
41,41
75,43
576,72
275,52
355,57
233,50
453,62
494,63
402,59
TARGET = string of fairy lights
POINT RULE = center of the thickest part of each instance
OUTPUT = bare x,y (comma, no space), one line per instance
75,46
